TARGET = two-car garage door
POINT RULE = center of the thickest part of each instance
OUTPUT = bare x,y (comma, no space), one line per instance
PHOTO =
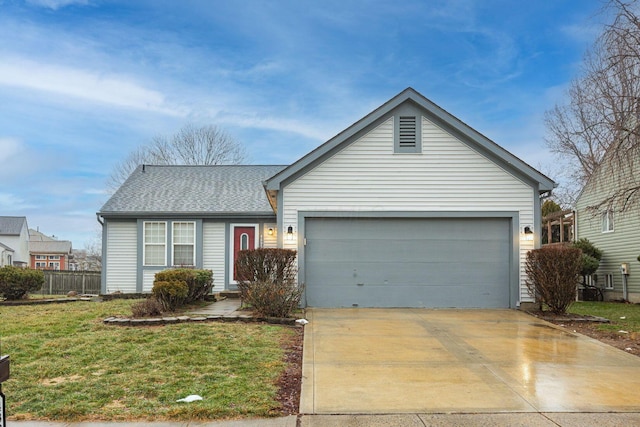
407,262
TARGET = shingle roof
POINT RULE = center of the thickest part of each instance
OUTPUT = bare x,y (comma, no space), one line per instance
50,247
2,245
36,236
11,225
193,189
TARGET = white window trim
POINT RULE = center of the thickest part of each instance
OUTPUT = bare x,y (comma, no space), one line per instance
232,250
144,243
41,257
608,281
173,242
608,221
54,257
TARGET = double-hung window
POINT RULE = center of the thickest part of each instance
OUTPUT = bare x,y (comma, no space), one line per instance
607,221
155,243
608,284
184,240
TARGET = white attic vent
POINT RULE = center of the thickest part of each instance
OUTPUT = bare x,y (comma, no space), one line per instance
407,131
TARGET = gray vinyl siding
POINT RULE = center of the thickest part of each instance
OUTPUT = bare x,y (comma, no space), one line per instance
447,176
269,241
621,245
214,248
148,277
121,256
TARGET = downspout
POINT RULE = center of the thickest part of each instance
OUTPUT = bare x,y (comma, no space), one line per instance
103,263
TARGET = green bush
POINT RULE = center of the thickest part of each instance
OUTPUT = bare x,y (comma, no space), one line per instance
591,257
267,281
17,282
170,295
552,275
149,307
199,282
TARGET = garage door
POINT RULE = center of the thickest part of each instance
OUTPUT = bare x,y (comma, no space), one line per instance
403,262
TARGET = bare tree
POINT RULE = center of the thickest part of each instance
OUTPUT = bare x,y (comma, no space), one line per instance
191,145
599,126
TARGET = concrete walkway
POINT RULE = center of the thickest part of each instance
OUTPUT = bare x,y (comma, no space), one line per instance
220,308
413,361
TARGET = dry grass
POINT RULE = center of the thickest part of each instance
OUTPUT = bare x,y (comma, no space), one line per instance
66,365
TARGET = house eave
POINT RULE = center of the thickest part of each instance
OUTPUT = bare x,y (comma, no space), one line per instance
170,215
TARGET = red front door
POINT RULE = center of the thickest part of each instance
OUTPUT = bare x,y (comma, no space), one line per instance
243,238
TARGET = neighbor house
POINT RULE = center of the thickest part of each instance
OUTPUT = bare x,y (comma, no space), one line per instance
48,253
408,207
610,228
14,241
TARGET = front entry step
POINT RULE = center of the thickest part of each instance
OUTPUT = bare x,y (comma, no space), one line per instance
230,294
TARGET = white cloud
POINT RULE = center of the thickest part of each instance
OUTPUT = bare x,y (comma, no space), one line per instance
9,147
277,124
88,85
13,204
57,4
96,191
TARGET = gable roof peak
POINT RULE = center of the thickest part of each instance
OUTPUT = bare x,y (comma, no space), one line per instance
435,114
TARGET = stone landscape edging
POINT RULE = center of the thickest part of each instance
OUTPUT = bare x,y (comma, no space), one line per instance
155,321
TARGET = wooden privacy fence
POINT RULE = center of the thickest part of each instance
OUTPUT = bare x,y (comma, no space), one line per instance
61,282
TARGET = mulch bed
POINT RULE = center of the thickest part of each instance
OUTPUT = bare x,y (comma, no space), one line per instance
290,382
588,325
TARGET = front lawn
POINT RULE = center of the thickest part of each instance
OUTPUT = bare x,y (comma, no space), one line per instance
624,317
66,365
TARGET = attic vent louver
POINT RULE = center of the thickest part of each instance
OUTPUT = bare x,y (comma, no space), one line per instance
407,128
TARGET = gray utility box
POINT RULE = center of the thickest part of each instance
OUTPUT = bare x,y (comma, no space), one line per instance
4,368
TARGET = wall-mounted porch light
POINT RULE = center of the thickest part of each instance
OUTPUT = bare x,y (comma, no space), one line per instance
290,233
527,232
270,231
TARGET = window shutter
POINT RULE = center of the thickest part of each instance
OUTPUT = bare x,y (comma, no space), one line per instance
407,135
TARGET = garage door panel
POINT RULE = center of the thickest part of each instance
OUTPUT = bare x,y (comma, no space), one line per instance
375,250
407,262
428,274
380,296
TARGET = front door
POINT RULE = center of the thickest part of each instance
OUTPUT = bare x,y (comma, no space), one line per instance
244,237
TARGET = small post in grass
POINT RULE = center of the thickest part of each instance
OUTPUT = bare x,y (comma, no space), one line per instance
4,375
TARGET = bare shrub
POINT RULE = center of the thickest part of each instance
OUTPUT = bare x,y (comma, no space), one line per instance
149,307
553,274
267,281
272,298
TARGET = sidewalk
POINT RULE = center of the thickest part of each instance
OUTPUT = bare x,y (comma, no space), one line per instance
400,420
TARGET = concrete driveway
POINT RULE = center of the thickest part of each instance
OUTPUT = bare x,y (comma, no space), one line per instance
393,361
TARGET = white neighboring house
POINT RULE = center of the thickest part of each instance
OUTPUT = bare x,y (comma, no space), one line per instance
408,207
14,241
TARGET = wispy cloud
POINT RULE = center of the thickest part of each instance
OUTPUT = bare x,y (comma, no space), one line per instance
12,203
9,147
89,85
57,4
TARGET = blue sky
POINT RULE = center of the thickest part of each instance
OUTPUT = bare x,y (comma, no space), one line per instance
84,82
